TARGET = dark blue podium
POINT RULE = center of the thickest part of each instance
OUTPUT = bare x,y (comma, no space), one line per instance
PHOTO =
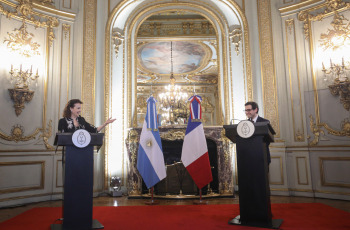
253,181
78,183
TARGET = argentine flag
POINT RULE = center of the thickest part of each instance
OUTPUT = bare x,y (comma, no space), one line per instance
150,159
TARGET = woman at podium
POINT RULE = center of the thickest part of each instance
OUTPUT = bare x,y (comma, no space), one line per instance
72,120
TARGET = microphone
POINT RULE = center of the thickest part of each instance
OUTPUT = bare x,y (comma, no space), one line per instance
233,119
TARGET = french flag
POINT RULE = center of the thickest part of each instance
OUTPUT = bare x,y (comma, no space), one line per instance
150,159
195,155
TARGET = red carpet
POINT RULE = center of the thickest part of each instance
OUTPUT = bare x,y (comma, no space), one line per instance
295,216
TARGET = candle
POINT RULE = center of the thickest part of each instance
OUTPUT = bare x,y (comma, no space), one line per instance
323,68
342,61
11,67
31,68
331,62
21,68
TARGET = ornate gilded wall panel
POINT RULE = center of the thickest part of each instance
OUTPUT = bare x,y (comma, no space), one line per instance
41,23
267,64
327,115
294,81
89,60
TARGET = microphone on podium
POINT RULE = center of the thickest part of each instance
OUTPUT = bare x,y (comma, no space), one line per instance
233,119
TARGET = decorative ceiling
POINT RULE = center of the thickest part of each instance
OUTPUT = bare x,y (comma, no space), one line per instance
193,49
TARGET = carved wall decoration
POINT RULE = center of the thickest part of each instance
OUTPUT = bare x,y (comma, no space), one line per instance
17,133
236,38
19,97
24,11
118,41
46,134
21,41
330,6
154,28
316,131
66,30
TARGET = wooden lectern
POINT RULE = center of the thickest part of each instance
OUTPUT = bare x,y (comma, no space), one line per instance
78,183
253,181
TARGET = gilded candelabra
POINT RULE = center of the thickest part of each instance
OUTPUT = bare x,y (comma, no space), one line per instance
21,93
341,84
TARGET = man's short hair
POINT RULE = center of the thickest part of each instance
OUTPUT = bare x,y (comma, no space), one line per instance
253,104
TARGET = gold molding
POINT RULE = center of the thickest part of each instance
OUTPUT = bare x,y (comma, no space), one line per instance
281,169
298,135
89,60
322,172
306,170
53,10
268,75
297,6
42,178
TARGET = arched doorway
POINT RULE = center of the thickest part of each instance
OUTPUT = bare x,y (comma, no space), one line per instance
234,80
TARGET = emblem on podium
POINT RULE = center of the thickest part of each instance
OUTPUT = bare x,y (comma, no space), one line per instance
245,129
81,138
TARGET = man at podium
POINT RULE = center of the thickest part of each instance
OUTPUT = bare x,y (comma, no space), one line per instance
72,120
251,111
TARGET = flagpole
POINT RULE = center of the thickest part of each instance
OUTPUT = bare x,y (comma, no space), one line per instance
200,201
152,201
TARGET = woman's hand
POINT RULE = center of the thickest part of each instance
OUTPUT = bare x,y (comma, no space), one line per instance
110,120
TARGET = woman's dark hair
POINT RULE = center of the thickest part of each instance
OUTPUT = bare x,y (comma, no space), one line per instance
66,112
253,104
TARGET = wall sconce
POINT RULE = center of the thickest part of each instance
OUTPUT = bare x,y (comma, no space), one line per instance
21,93
21,42
338,39
340,86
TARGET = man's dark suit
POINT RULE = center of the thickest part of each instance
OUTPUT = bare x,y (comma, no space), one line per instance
261,119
